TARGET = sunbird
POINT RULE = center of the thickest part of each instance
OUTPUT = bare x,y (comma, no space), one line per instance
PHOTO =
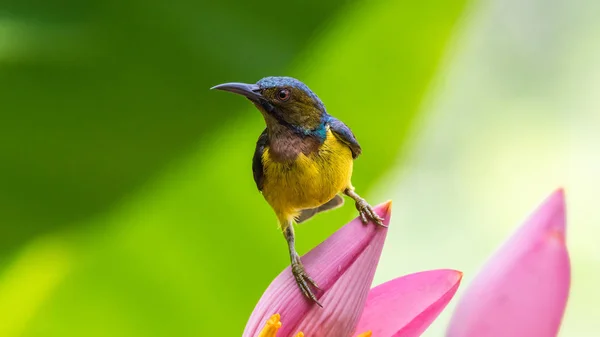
302,161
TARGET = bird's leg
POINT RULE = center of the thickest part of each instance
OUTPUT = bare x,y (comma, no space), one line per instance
302,279
363,207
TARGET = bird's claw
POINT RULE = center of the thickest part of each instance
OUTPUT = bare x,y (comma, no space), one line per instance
367,213
304,281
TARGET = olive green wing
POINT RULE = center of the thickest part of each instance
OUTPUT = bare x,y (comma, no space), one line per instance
345,135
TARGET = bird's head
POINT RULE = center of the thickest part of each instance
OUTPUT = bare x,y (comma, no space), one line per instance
283,100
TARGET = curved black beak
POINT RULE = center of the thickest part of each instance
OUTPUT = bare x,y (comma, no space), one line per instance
251,91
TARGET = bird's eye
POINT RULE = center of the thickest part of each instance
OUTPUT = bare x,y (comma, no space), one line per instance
283,95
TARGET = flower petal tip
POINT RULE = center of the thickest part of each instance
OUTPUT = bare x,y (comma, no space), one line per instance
452,275
559,192
552,214
387,208
459,275
557,197
384,210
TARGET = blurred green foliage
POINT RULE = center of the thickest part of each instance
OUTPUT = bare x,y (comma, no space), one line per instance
127,182
98,96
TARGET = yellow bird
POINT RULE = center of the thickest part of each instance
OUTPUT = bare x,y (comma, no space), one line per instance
303,159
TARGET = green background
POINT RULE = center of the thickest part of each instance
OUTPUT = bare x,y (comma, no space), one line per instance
127,205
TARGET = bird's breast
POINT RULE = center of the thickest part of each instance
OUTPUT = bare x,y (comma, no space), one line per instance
306,180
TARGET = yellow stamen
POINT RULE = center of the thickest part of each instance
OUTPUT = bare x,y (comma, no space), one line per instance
270,329
274,323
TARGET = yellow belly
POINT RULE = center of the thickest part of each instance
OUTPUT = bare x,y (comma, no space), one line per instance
308,181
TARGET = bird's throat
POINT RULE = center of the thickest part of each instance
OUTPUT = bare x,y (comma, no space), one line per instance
285,144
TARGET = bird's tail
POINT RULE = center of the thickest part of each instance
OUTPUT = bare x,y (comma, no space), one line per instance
306,214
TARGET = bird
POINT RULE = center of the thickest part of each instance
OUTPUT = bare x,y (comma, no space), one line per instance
303,160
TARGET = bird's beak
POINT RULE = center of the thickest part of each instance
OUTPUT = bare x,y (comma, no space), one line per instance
251,91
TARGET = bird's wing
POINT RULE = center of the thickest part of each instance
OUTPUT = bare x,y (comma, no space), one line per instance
257,165
344,134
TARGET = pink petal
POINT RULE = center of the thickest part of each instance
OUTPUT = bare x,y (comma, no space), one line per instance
406,306
523,289
343,266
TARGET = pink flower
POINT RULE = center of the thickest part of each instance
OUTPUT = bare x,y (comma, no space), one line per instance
344,266
523,289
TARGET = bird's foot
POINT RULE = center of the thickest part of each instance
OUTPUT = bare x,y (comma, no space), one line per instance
367,213
303,280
